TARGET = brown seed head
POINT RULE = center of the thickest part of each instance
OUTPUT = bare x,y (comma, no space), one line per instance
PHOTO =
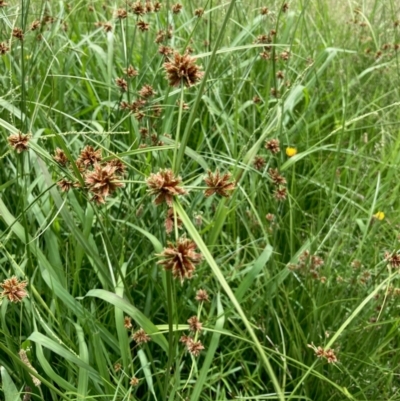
134,381
199,12
195,347
170,221
65,185
276,178
122,84
273,146
157,6
120,13
194,324
219,184
280,194
393,259
259,163
60,157
13,289
202,296
165,186
3,3
149,6
147,91
264,11
119,166
127,322
34,25
18,33
137,8
19,141
181,258
131,72
102,181
143,26
89,157
176,8
117,367
182,69
4,48
165,50
141,337
107,26
285,7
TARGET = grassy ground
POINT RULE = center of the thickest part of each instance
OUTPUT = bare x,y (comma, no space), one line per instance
299,259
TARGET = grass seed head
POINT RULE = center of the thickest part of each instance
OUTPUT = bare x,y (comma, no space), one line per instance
13,289
219,184
165,185
19,141
180,258
182,69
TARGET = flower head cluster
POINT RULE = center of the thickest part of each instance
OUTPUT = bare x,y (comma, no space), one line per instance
141,337
180,258
393,259
19,141
309,265
182,69
13,289
220,184
165,185
102,181
328,354
194,347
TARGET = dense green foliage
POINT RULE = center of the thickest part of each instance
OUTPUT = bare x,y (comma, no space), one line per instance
292,259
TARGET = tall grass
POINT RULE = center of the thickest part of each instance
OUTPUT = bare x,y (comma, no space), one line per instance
300,264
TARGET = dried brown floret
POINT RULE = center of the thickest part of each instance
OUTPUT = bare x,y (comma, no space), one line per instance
280,194
3,3
176,8
120,13
199,12
137,8
259,163
13,289
18,33
264,11
165,50
4,48
141,337
34,25
60,157
285,7
130,72
202,296
157,6
219,184
182,69
127,322
170,221
102,181
194,324
181,258
393,259
276,178
147,91
273,146
89,157
122,84
165,185
134,381
143,26
19,141
195,347
65,185
119,166
280,75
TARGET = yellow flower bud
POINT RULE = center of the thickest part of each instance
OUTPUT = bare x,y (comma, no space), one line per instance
379,215
291,151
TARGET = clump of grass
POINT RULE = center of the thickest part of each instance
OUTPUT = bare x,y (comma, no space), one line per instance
193,195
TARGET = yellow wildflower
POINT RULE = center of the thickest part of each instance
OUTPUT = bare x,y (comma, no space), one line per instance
379,215
291,151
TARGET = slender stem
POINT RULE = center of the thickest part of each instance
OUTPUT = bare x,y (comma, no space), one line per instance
170,332
177,135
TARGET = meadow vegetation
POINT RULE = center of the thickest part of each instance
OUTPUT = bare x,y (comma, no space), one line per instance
199,200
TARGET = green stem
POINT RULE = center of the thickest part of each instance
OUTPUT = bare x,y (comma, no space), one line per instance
178,130
170,332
